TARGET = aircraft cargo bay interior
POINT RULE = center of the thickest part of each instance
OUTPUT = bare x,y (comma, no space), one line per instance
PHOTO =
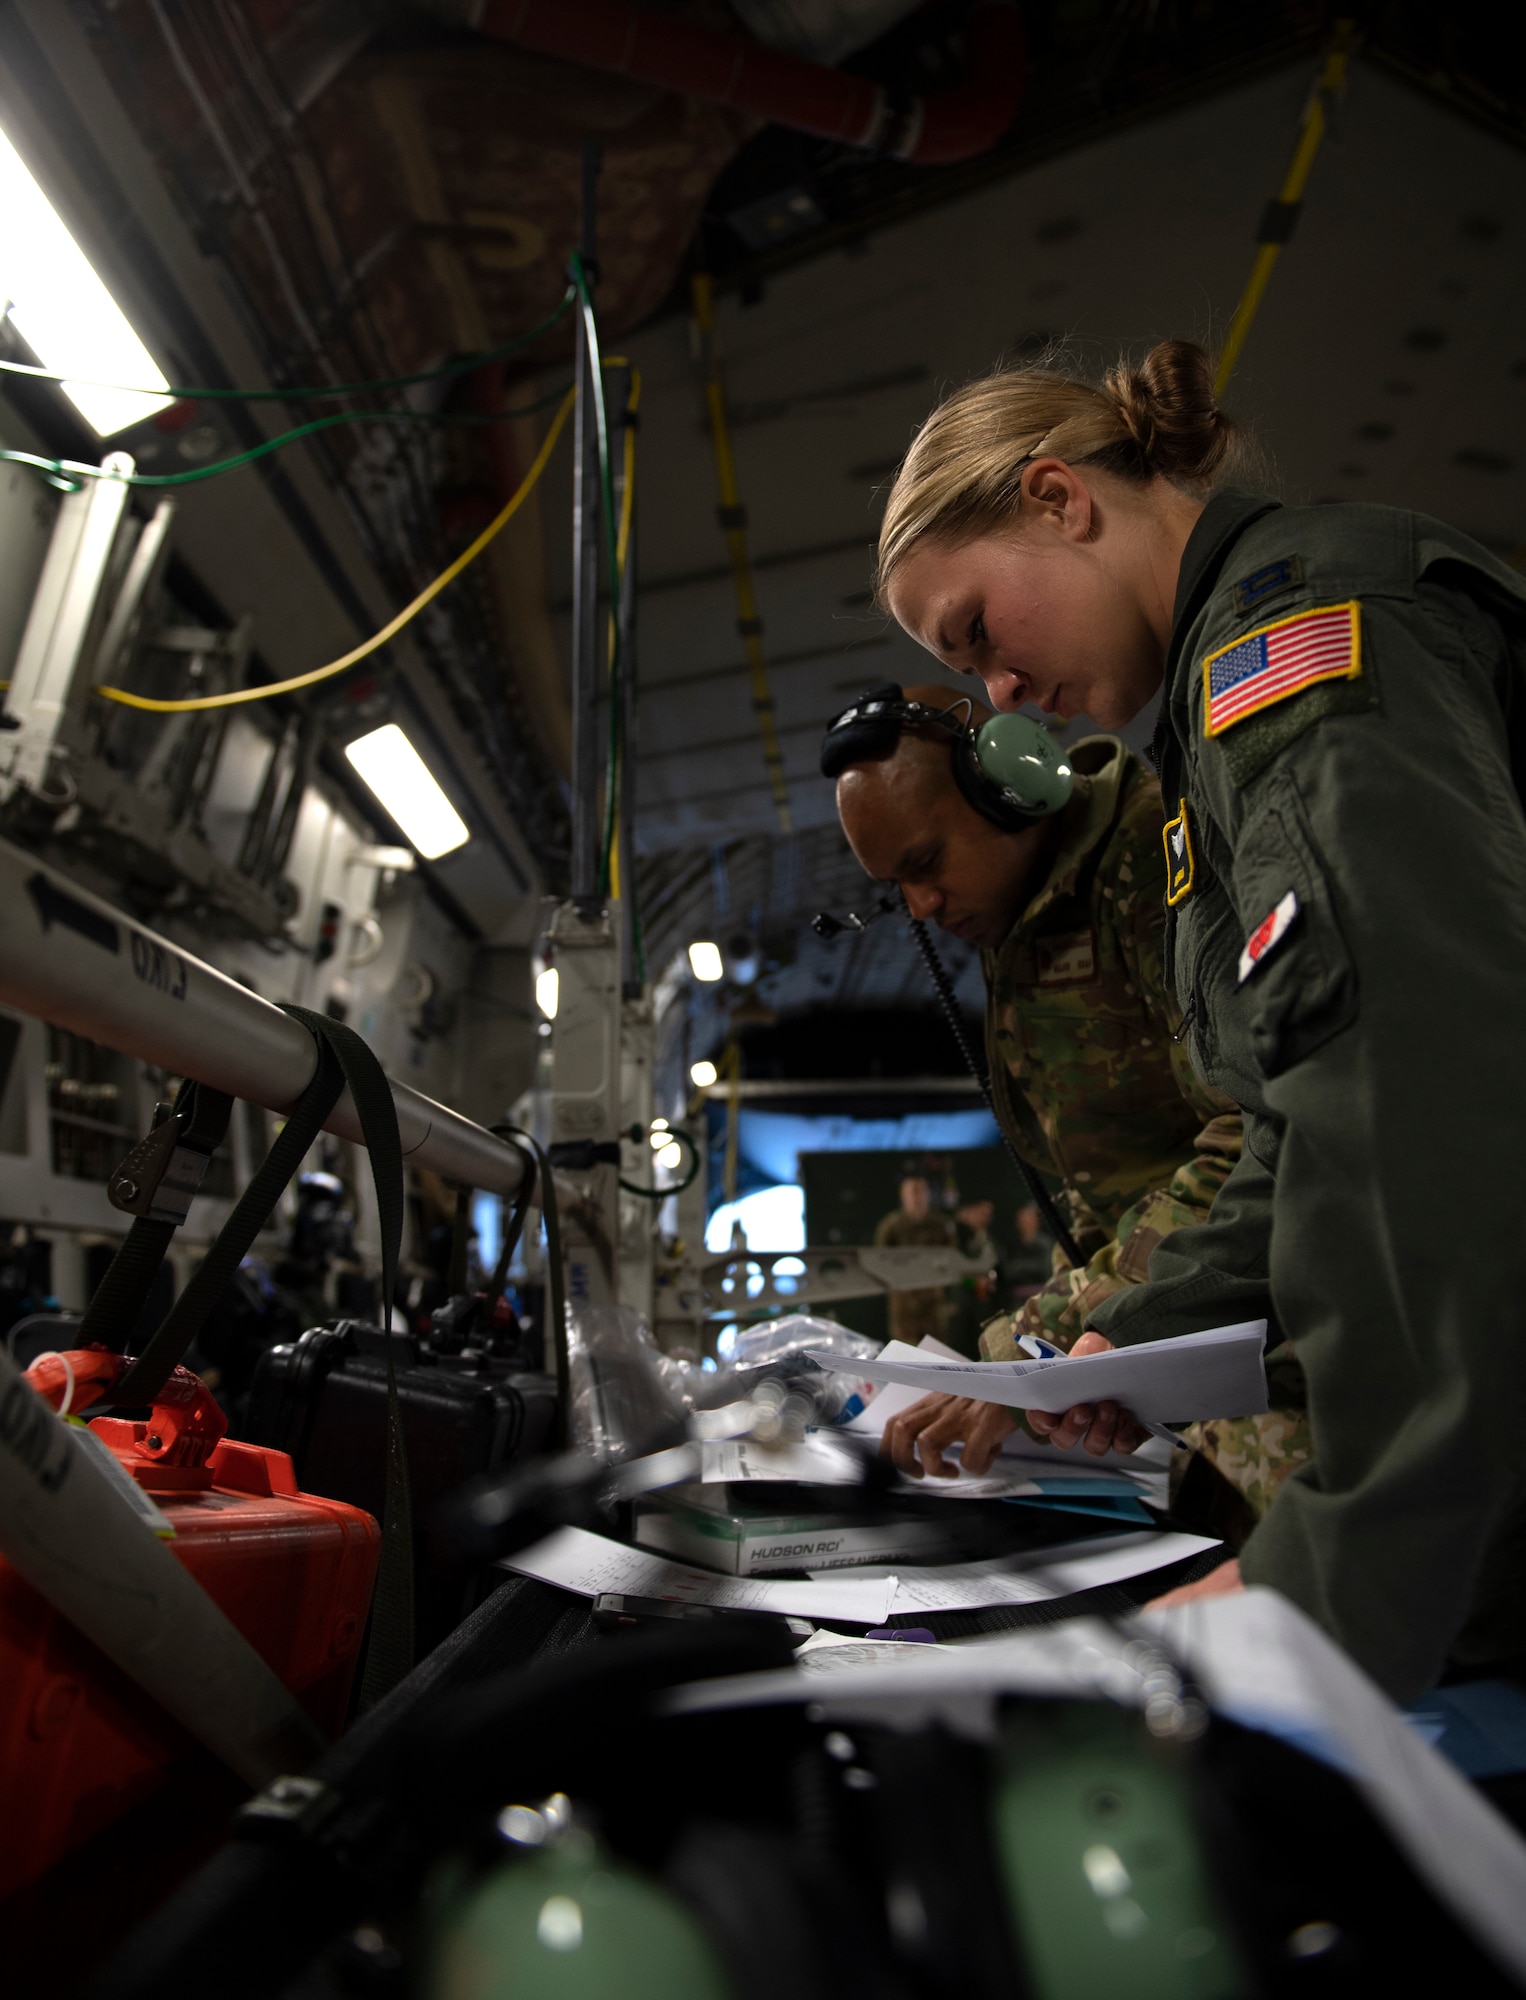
762,960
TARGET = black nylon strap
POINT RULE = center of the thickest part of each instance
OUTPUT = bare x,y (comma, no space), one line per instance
389,1656
514,1227
460,1243
556,1300
119,1297
164,1353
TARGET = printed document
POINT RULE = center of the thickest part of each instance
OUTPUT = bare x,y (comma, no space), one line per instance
1214,1374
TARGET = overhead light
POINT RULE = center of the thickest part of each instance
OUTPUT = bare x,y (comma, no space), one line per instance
547,991
63,311
702,1074
406,787
671,1156
705,962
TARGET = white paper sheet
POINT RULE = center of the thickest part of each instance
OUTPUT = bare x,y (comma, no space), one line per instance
576,1560
1218,1373
1038,1574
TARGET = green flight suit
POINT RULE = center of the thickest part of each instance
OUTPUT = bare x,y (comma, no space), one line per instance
1374,1217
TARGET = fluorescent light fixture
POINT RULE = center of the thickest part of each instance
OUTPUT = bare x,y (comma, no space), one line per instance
547,991
671,1156
705,962
63,311
702,1074
406,787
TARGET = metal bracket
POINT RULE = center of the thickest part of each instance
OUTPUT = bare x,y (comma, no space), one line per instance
163,1173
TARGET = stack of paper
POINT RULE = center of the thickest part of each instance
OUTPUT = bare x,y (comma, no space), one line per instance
578,1561
1214,1374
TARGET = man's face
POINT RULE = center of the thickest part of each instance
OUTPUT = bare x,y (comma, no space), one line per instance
909,824
916,1198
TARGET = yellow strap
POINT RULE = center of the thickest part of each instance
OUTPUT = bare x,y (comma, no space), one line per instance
1311,134
393,626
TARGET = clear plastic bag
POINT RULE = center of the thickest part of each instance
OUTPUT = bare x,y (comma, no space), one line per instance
624,1400
776,1348
627,1395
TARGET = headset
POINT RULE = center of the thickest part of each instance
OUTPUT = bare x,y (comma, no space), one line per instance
1010,769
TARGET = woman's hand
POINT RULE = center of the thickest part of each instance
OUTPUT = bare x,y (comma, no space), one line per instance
1101,1427
1220,1582
917,1439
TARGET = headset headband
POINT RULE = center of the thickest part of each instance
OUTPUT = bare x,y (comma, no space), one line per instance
1009,769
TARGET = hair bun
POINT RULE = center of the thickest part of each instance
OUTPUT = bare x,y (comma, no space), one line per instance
1171,412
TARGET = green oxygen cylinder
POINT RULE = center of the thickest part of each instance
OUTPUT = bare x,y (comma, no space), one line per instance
566,1922
1018,755
1104,1862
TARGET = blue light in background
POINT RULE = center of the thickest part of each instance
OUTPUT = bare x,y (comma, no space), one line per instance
773,1218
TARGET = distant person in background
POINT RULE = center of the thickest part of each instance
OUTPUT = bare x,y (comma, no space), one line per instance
974,1298
1029,1263
916,1224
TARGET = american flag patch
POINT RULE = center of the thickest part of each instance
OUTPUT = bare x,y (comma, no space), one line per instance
1279,660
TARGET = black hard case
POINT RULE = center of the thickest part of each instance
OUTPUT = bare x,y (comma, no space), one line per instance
323,1399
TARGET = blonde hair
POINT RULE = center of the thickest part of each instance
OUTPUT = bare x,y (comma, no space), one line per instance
963,474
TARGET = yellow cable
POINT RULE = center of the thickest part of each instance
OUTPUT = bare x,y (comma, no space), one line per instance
393,626
622,545
749,624
1311,133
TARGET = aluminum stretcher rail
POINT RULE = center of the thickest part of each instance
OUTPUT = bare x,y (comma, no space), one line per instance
74,960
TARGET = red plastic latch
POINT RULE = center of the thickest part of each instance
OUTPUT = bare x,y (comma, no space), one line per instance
171,1450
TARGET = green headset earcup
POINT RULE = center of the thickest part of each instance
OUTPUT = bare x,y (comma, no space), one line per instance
1024,762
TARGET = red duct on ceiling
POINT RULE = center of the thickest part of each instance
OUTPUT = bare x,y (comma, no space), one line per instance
657,48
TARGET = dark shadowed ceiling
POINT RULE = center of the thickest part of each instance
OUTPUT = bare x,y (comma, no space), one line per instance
365,190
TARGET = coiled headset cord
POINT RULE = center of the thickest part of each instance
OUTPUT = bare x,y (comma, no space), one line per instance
945,991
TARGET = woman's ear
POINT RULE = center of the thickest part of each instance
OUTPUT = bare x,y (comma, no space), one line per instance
1058,498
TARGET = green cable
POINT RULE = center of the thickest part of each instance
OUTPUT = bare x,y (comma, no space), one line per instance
301,395
67,473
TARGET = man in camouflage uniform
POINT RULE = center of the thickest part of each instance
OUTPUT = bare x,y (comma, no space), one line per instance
916,1315
1090,1083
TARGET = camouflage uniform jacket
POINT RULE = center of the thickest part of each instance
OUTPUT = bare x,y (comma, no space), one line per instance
915,1315
1089,1083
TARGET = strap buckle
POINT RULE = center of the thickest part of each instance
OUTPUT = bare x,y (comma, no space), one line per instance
162,1175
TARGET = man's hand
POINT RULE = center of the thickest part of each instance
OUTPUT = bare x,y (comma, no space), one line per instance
917,1439
1101,1427
1220,1582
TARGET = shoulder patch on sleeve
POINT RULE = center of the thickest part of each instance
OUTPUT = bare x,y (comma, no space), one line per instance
1279,660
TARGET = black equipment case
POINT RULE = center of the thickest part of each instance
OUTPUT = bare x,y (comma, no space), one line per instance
323,1399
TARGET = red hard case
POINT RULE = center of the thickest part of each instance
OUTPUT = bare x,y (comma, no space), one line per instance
80,1743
